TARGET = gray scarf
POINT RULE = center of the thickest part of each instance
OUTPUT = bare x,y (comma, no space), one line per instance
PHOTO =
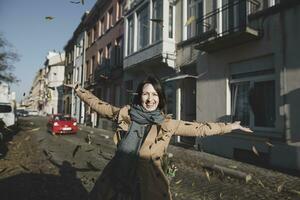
128,149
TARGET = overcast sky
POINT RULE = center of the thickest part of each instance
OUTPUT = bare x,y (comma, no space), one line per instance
23,24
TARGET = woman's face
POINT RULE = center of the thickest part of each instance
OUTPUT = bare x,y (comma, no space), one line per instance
149,98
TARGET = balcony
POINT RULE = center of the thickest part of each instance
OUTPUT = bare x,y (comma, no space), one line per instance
90,81
103,71
227,26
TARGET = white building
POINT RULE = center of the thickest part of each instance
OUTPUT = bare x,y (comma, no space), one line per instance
54,74
149,44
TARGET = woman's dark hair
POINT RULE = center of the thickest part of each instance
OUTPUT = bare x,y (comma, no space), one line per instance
158,88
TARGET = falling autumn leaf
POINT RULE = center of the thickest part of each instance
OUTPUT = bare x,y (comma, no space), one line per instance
190,20
255,151
48,18
269,144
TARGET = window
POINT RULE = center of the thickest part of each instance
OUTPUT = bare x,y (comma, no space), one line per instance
87,70
129,91
130,37
102,26
100,56
95,33
110,18
171,16
119,51
119,9
89,38
143,27
194,11
157,20
108,51
253,98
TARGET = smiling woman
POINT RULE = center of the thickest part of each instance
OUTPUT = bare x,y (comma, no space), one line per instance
142,137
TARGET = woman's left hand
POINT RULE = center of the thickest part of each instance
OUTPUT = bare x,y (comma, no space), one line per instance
237,126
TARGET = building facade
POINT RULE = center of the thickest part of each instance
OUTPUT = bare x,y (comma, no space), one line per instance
249,58
104,56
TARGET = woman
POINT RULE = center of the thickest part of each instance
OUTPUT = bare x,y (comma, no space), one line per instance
143,135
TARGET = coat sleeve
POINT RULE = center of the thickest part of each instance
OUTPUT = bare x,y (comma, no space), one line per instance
101,107
184,128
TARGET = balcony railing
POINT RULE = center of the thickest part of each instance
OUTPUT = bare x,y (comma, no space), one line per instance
103,71
230,18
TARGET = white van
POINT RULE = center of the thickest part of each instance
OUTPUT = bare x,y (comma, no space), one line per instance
7,114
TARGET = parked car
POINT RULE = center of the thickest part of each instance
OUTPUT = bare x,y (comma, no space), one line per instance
22,113
7,114
62,124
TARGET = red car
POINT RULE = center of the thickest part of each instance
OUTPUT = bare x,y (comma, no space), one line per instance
62,124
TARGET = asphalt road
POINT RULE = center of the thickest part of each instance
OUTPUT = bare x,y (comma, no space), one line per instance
39,165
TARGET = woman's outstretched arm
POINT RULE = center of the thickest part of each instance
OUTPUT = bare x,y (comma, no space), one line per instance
101,107
185,128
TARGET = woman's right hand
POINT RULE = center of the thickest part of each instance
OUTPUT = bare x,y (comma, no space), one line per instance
237,126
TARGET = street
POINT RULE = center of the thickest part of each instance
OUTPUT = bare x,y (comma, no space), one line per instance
39,165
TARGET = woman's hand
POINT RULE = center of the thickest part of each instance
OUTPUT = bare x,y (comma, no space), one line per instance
237,126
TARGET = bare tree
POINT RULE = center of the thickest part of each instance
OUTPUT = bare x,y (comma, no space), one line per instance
7,58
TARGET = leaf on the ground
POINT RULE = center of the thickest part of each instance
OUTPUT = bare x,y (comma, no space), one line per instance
255,150
270,144
27,138
89,150
295,192
41,140
260,183
178,182
221,195
75,150
23,167
31,123
48,155
91,166
280,187
193,184
33,130
3,170
232,166
248,178
207,175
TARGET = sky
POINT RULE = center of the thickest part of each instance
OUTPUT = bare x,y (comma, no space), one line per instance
23,25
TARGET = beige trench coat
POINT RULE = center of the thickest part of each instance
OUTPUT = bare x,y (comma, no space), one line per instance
153,182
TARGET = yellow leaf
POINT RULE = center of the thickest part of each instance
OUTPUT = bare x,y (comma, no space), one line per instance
190,20
207,175
260,183
280,187
255,151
